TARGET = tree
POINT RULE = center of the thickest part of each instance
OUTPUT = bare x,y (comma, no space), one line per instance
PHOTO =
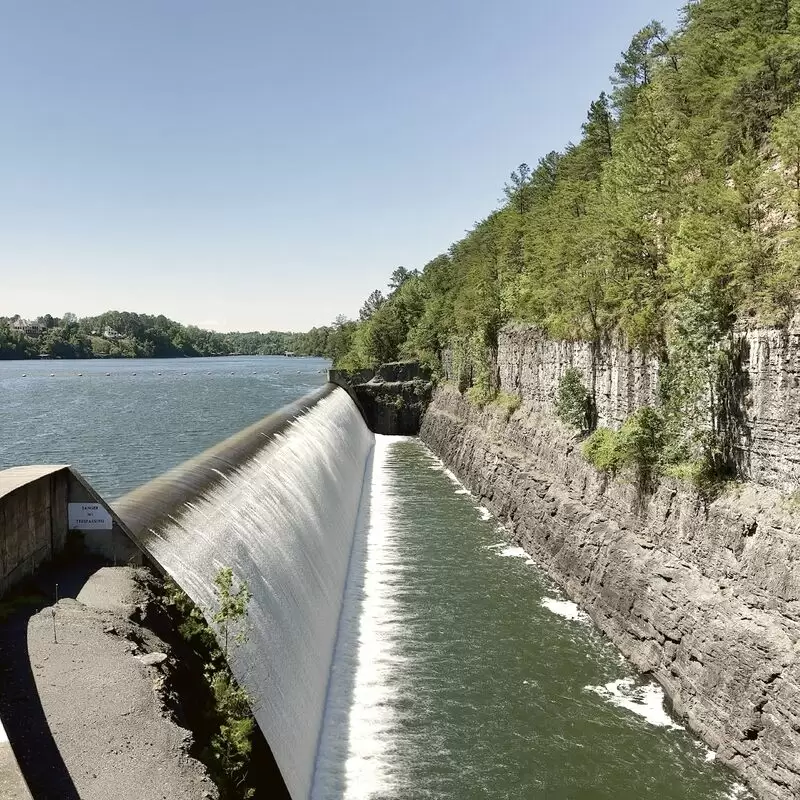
400,276
371,305
232,605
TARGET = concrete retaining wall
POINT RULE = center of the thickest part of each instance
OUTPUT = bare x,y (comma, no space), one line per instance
34,521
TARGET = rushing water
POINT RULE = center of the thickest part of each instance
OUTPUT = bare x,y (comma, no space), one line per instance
459,670
464,673
146,415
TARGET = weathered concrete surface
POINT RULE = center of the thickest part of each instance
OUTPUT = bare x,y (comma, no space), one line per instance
706,597
12,784
34,521
87,716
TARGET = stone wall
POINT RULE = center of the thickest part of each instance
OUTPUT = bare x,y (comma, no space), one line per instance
765,396
34,522
706,597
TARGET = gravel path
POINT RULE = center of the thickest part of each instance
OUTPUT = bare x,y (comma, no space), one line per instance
98,700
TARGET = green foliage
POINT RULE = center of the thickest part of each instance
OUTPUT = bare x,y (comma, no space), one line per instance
506,403
670,212
127,335
230,715
638,446
479,396
232,606
572,402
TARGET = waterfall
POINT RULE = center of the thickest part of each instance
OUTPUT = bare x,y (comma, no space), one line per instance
283,519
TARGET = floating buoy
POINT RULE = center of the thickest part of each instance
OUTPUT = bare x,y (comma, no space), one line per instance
159,373
134,374
24,375
108,374
52,374
184,373
80,374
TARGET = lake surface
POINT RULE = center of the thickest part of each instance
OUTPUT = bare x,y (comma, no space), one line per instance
471,676
146,415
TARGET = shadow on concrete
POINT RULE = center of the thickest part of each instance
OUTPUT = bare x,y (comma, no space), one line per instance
21,710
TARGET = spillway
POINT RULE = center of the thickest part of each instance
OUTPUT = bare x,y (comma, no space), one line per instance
398,646
278,504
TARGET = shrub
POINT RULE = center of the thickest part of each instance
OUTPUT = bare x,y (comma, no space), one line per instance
507,403
638,445
601,451
479,396
640,441
572,401
229,714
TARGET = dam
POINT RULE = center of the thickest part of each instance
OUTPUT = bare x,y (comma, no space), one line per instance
399,644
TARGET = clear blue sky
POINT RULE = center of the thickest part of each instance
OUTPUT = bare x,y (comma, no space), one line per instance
256,165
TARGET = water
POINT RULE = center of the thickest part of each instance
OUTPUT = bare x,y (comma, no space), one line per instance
148,415
284,524
464,673
458,670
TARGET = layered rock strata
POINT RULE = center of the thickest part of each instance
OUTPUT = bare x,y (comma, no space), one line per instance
705,596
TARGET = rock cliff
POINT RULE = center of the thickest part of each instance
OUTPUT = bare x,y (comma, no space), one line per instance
703,595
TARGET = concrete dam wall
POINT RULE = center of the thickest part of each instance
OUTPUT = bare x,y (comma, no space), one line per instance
705,596
278,503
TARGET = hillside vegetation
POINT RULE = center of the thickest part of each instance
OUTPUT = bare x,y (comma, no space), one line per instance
672,219
125,334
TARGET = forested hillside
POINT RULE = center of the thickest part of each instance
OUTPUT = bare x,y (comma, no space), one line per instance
672,219
124,334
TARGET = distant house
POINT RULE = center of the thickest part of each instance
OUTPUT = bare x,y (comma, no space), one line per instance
110,333
28,327
289,353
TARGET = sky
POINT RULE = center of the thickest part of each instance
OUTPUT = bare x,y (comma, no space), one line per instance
261,165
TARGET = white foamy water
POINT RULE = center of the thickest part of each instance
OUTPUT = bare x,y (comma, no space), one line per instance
514,551
359,716
486,515
284,521
564,608
645,700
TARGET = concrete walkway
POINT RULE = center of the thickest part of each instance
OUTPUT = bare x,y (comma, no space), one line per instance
84,709
12,784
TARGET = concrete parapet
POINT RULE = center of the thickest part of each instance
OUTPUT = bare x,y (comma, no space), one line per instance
39,506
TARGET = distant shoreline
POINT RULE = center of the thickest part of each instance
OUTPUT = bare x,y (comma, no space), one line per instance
156,358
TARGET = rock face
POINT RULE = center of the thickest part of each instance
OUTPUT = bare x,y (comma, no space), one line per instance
764,401
531,365
393,397
705,596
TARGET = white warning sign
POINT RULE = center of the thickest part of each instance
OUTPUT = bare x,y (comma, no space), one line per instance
89,517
